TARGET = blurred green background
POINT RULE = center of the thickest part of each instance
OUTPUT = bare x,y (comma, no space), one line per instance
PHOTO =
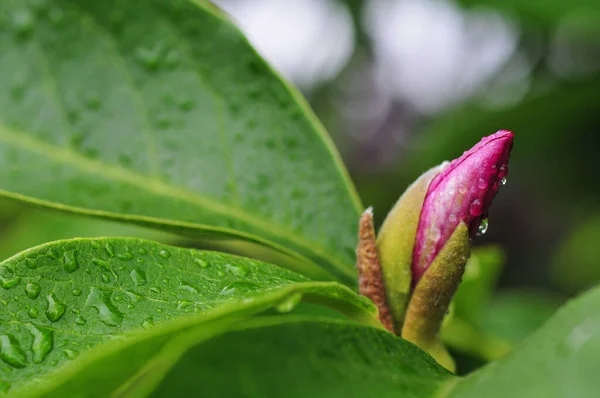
402,85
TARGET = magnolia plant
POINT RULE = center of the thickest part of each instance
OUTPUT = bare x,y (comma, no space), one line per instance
413,270
158,114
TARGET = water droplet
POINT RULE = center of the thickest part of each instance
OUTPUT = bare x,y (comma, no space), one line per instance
289,303
52,254
148,323
76,292
164,253
70,353
33,290
109,249
237,270
8,283
435,234
43,339
503,172
183,304
69,261
503,181
11,352
201,263
138,277
56,308
142,251
105,278
80,321
188,288
133,296
482,184
483,227
29,263
33,312
108,313
476,208
238,287
462,189
125,256
155,290
75,311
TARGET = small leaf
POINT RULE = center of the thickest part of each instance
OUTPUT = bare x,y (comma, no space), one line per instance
159,112
54,312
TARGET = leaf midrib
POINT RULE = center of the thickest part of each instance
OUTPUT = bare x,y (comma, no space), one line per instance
66,156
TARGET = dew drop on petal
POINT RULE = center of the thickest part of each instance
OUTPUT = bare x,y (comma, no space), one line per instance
503,181
483,227
476,208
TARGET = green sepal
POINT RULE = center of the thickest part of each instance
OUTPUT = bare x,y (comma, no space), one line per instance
395,244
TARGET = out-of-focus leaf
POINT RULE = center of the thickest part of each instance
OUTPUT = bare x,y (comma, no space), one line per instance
576,263
514,315
159,112
33,227
478,283
558,360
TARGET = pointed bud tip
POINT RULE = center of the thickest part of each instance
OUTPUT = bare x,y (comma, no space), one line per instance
461,192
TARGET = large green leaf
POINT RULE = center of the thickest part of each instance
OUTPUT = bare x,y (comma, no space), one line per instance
559,360
260,357
160,112
62,298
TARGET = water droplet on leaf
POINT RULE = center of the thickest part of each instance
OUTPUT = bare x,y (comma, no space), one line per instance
69,261
70,353
138,277
33,290
289,303
107,312
201,263
56,308
164,253
43,340
11,352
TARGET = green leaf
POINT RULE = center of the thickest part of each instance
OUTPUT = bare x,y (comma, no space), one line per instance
559,360
62,298
159,112
260,357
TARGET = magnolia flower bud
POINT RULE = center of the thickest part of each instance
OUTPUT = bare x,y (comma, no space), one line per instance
424,243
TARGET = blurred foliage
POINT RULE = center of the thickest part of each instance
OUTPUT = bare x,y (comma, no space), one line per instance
576,264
